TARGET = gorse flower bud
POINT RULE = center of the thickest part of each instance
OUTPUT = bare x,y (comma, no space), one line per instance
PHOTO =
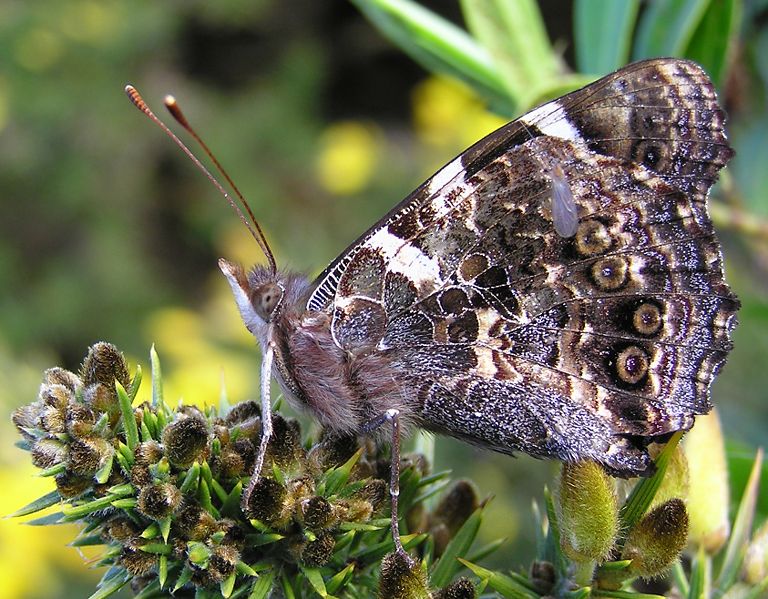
158,500
56,396
121,529
145,455
456,506
136,561
222,562
375,492
543,576
588,509
285,445
193,522
237,459
49,452
26,419
708,491
185,441
80,420
400,579
242,412
70,484
53,419
656,541
148,453
242,422
317,513
458,589
104,364
755,568
87,455
59,376
102,398
332,450
318,552
267,502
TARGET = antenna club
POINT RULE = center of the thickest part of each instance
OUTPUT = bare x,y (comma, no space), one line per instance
135,97
175,110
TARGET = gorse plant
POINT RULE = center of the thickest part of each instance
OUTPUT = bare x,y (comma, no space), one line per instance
159,490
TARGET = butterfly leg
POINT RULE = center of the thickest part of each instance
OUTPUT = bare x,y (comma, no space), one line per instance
392,416
266,422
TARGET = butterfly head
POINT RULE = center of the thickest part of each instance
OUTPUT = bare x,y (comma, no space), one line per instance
258,294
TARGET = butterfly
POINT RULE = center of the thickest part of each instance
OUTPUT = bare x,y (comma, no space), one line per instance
557,289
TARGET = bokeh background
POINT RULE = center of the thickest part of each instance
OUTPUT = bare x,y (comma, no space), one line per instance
108,233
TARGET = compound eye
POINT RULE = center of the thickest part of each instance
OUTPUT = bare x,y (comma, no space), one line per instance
265,299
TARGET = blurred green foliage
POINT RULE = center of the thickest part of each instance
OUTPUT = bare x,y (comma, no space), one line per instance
108,233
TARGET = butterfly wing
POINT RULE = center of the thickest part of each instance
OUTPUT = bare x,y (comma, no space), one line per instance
515,337
662,113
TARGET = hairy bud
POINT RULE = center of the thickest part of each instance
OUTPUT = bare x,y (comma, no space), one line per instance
59,376
237,458
318,552
242,412
87,455
222,562
193,522
708,484
69,484
462,588
185,441
267,502
589,514
657,540
136,561
159,500
400,579
48,452
317,513
285,445
79,420
104,364
456,506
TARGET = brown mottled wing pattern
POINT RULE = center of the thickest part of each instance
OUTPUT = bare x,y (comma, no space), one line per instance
515,337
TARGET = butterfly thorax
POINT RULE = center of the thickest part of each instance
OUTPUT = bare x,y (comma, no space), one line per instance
343,391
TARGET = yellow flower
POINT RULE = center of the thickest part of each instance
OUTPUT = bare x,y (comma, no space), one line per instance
348,156
192,360
89,21
31,557
448,115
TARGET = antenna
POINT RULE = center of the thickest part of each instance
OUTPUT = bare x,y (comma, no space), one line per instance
170,103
